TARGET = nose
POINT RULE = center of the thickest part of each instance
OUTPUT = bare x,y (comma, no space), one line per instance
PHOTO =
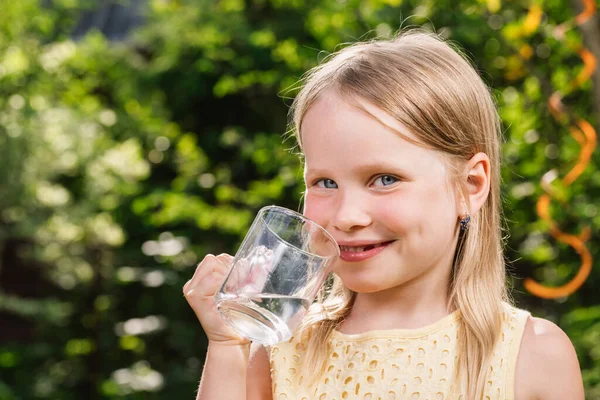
351,213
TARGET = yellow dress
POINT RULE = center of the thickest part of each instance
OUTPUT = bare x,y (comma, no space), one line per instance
411,364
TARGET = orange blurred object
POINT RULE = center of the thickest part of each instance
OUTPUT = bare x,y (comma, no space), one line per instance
584,133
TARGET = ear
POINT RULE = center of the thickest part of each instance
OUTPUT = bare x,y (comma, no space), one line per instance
476,175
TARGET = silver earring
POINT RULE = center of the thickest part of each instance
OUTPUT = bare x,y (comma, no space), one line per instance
464,222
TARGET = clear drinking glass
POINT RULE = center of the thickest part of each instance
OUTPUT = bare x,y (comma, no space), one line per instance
275,275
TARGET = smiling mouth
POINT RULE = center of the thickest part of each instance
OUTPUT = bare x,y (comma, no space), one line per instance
359,249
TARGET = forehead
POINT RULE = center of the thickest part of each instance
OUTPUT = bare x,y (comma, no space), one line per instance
337,133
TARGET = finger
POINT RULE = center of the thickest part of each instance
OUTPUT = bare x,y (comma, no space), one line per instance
226,262
260,271
185,286
258,279
221,272
209,264
239,274
225,259
209,282
196,272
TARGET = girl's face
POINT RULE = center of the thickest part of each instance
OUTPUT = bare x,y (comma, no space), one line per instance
386,201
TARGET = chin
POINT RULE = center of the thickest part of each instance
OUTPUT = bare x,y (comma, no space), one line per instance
361,286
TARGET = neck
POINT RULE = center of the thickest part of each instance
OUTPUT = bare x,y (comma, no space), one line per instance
412,305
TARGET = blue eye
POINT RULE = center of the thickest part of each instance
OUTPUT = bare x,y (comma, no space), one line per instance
326,183
385,180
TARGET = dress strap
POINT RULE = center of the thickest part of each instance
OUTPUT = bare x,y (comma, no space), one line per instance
515,324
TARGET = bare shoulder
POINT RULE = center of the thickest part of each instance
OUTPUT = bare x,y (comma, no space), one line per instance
258,380
547,366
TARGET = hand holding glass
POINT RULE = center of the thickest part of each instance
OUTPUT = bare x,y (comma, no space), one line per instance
275,275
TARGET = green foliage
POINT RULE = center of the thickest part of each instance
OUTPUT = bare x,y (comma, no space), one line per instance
126,162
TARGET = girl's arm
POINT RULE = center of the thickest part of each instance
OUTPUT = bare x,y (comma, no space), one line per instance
547,366
232,370
235,372
224,375
258,384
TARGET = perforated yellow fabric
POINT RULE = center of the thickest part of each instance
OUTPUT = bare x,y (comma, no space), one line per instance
411,364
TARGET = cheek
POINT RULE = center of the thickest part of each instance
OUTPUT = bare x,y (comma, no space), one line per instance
316,208
414,210
401,211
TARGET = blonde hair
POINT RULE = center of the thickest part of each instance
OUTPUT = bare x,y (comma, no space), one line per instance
436,93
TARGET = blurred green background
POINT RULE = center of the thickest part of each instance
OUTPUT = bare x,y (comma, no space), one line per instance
138,135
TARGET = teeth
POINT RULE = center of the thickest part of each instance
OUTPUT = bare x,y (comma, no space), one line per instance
358,249
352,249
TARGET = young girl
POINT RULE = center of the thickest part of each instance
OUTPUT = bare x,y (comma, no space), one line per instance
401,143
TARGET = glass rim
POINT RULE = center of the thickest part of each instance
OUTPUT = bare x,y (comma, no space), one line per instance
303,217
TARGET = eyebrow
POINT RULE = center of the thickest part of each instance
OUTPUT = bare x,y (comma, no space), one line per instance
363,168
